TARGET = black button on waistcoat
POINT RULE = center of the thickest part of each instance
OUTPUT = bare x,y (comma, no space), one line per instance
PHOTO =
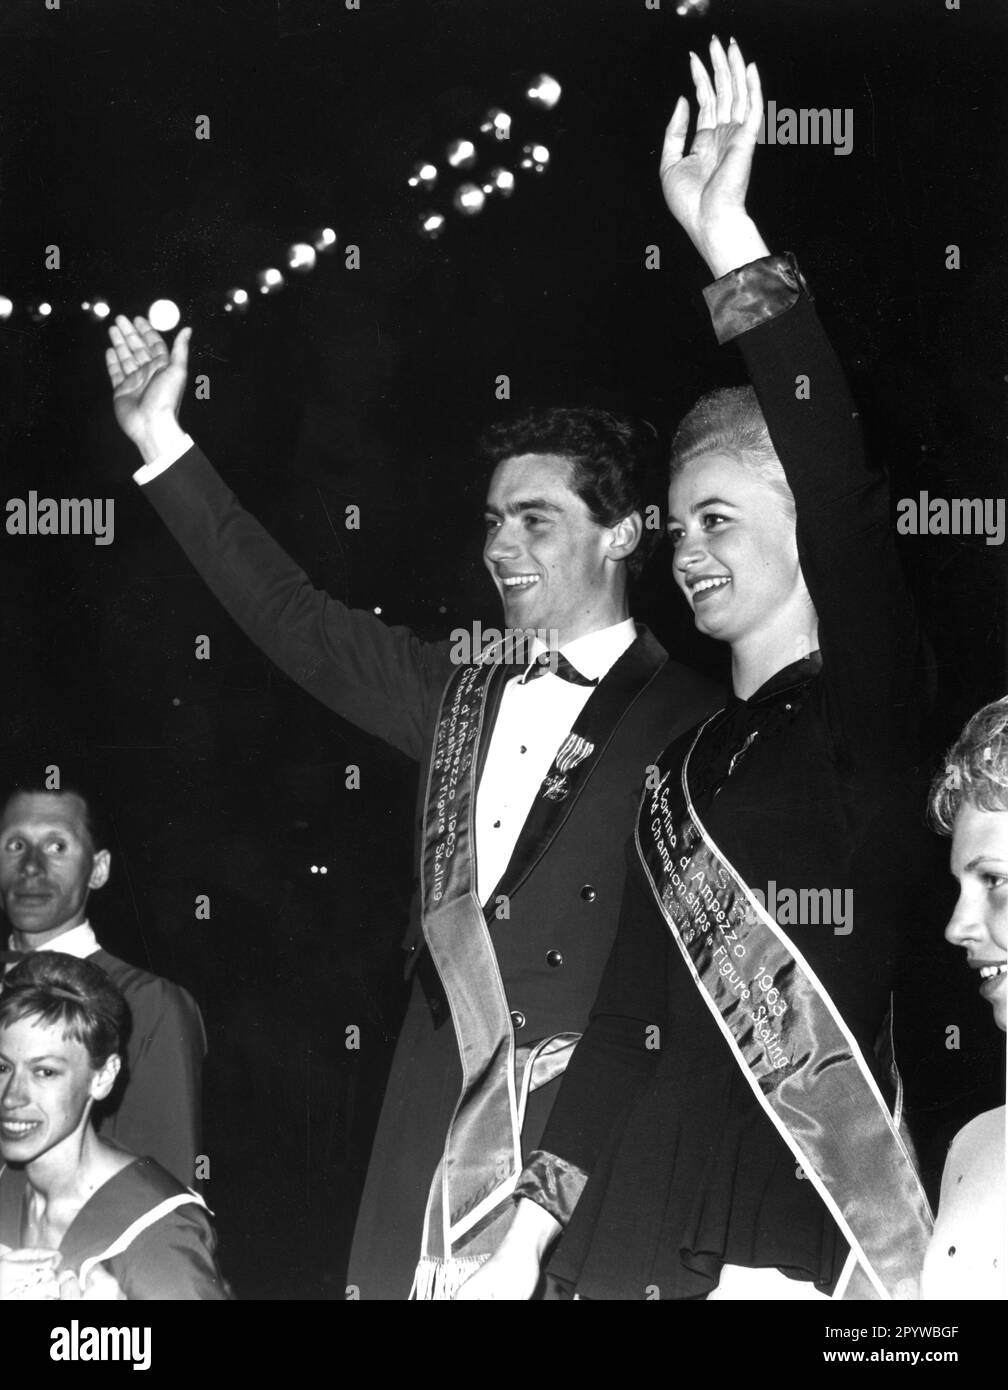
554,958
588,893
518,1018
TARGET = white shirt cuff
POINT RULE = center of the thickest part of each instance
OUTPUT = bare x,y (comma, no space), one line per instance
150,470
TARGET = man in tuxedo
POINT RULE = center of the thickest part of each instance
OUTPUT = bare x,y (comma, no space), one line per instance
530,777
51,857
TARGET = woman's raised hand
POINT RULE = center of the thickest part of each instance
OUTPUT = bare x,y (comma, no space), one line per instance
706,189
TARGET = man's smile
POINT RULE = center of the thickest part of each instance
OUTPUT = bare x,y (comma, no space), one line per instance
515,582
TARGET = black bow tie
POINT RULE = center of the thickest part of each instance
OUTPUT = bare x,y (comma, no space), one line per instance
559,665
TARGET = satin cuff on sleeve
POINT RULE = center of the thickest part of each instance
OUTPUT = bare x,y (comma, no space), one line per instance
553,1183
753,294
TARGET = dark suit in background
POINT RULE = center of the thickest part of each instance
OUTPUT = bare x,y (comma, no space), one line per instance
157,1113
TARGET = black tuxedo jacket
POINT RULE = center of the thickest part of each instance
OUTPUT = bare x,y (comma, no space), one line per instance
563,890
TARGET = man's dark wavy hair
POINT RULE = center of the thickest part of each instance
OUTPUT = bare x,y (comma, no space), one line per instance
616,461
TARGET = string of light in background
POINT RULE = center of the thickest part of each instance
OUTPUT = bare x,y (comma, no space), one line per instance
499,181
468,198
300,257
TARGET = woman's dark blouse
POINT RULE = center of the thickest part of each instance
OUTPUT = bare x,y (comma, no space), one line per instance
685,1172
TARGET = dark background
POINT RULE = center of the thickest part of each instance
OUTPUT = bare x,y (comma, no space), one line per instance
368,387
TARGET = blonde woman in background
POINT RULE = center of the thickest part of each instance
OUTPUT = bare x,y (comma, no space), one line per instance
969,802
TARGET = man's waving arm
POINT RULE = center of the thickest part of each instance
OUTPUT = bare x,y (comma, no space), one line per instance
380,678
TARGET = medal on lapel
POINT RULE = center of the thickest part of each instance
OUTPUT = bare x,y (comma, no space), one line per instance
571,752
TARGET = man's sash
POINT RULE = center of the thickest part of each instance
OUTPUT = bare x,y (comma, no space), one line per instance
470,1196
792,1046
482,1155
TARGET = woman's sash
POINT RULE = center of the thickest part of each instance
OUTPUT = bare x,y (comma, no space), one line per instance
791,1045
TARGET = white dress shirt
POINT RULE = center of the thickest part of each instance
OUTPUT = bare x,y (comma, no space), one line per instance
79,941
532,723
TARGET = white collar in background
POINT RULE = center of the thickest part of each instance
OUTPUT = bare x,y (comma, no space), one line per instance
79,941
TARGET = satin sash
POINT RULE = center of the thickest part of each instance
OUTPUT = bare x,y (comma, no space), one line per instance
792,1046
482,1158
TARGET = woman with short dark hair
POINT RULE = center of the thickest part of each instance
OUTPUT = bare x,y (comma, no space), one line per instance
62,1187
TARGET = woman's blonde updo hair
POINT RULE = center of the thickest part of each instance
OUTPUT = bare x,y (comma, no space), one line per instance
729,421
976,768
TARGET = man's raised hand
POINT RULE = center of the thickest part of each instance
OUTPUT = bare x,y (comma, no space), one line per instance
706,189
147,382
